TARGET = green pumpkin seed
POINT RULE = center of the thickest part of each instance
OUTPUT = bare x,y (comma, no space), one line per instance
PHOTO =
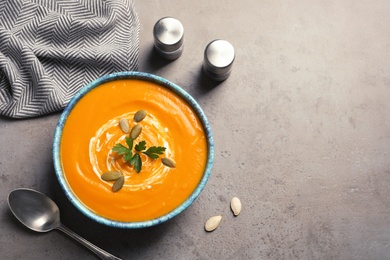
124,125
111,176
135,131
168,162
140,115
118,184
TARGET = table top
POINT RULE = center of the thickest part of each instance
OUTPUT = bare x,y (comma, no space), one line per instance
301,131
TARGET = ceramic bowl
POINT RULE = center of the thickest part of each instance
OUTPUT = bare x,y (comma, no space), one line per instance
145,77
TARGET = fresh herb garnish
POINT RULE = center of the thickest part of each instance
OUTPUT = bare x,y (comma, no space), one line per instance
154,151
134,158
140,146
136,162
120,149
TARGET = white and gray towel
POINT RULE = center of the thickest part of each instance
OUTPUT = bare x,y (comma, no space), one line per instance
49,49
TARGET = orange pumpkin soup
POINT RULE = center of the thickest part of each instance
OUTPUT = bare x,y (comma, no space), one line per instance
92,130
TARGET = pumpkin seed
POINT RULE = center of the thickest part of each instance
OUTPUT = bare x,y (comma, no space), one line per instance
118,184
124,125
168,162
111,176
212,223
140,115
135,131
235,204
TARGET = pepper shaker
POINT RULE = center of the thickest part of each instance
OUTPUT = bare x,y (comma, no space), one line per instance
168,38
218,59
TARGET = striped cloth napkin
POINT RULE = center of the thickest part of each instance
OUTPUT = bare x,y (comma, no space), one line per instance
49,49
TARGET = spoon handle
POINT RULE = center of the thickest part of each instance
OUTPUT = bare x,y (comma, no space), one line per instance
98,251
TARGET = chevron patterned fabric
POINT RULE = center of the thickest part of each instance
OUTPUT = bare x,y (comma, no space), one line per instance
49,49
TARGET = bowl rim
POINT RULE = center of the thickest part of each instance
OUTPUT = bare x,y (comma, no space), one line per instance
141,76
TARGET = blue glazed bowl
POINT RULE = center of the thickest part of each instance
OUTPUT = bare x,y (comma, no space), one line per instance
140,76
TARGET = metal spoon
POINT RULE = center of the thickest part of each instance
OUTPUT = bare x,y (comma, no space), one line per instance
39,213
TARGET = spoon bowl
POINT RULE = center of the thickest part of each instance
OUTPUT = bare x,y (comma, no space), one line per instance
39,213
34,210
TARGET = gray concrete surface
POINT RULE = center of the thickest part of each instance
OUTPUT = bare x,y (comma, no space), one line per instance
301,129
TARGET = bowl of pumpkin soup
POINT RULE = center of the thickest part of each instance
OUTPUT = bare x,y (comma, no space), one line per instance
132,150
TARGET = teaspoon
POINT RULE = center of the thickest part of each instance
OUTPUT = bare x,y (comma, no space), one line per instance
39,213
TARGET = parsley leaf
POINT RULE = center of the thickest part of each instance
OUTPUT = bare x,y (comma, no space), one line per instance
154,151
134,158
140,146
129,142
120,149
128,157
136,162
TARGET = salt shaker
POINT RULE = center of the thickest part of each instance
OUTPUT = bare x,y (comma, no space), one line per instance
218,59
168,38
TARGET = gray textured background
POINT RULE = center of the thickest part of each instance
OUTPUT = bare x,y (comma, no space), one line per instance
301,133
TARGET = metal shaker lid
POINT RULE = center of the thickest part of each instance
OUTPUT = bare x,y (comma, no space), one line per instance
218,58
168,34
